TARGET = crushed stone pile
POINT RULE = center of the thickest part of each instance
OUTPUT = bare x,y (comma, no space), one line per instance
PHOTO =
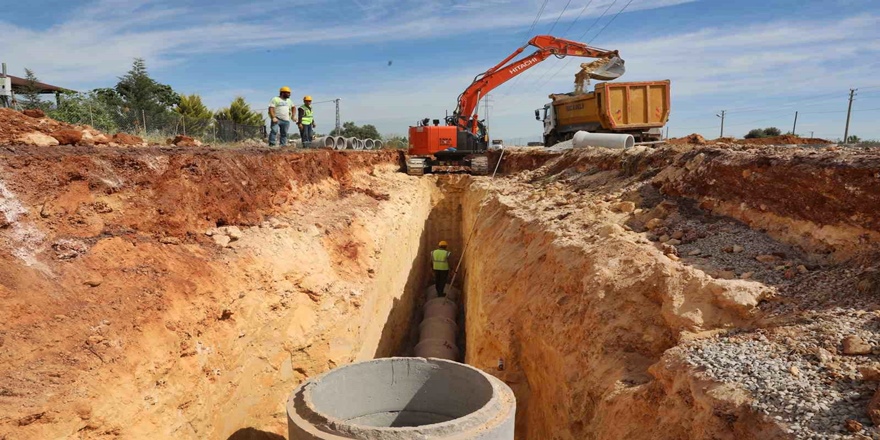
33,127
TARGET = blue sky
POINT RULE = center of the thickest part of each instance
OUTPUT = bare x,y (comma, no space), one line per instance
759,60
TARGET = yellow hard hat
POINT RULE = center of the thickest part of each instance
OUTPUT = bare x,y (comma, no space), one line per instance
307,98
443,243
285,89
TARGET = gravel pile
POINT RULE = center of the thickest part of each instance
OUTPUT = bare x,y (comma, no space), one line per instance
813,400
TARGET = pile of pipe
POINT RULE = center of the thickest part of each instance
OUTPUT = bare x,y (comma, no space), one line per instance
347,143
439,330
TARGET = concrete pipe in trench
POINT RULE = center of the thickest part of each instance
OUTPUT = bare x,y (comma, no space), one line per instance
437,348
583,139
402,399
438,328
451,292
441,308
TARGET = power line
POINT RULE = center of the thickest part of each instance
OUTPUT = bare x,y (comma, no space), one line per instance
535,22
528,38
541,84
597,20
560,16
610,21
577,18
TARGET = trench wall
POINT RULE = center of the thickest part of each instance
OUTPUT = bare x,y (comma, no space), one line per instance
123,318
582,322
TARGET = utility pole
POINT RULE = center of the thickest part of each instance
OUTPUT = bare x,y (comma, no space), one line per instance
811,135
794,129
723,113
852,94
338,121
5,88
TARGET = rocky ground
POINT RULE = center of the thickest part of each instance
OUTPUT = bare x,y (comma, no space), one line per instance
804,339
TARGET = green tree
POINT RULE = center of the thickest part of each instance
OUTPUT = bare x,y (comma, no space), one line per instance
195,116
853,139
755,133
240,112
32,92
350,129
86,108
396,141
143,99
772,131
763,133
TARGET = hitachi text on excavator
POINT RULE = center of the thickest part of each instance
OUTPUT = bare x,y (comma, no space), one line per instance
460,145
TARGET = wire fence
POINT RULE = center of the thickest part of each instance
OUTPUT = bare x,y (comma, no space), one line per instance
209,129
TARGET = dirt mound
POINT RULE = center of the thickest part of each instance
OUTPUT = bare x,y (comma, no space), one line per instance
35,113
32,127
184,141
68,136
127,139
786,139
692,139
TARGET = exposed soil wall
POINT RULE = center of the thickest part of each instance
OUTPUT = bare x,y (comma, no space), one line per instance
123,318
609,328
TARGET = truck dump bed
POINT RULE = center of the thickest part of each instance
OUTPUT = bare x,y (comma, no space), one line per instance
615,107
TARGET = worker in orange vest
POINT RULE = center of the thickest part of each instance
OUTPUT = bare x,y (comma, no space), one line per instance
440,263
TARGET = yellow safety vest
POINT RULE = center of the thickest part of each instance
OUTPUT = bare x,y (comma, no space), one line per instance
441,259
307,117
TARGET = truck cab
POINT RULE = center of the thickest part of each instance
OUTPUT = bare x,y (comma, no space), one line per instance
546,115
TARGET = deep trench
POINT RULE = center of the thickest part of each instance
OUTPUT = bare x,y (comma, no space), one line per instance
571,327
444,222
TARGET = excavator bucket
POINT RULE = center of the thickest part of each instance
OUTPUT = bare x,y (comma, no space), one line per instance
612,69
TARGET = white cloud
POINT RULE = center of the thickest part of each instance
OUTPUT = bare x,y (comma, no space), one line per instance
99,41
712,68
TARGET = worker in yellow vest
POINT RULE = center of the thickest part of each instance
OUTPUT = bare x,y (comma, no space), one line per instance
440,261
306,121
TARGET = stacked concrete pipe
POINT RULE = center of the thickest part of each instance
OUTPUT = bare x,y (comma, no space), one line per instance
359,144
379,145
402,399
350,143
369,144
340,142
324,142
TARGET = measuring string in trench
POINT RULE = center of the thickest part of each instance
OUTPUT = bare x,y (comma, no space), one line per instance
467,243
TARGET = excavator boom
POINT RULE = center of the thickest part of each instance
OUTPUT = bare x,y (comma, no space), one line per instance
460,145
506,70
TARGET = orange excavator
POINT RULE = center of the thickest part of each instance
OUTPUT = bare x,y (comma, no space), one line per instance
460,144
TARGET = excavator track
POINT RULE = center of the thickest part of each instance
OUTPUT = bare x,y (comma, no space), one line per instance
480,165
415,166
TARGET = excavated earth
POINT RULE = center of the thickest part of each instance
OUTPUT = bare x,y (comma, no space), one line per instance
682,292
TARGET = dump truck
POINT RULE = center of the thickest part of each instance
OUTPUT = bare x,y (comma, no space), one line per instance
637,108
461,144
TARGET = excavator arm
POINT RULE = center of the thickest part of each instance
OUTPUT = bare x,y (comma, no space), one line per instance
504,71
